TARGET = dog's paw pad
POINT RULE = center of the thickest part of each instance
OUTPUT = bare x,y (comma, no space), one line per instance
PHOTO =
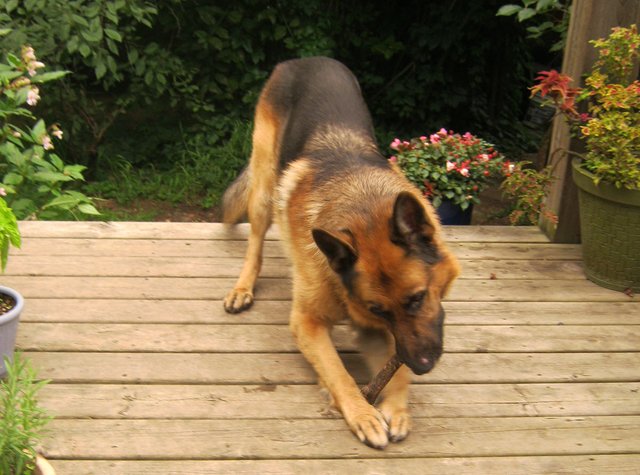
238,300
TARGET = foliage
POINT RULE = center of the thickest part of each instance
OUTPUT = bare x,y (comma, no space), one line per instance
9,232
190,179
448,166
22,419
143,70
549,16
33,176
528,188
610,128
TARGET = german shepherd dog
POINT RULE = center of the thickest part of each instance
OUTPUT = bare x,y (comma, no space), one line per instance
363,241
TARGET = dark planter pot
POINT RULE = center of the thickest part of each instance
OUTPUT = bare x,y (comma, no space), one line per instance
451,213
610,230
9,327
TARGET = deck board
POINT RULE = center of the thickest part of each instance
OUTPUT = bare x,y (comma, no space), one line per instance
149,374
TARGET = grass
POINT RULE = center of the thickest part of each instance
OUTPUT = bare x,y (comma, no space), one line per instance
198,173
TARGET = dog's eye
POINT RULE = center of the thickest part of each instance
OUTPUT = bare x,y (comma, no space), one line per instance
414,303
379,311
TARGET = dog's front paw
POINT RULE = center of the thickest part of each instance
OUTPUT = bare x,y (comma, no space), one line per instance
237,300
371,428
399,422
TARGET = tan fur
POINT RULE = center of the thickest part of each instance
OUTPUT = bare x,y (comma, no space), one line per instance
355,207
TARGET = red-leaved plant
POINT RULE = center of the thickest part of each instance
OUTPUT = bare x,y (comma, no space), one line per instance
610,127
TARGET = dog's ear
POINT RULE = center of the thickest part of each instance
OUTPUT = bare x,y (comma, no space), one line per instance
339,253
411,226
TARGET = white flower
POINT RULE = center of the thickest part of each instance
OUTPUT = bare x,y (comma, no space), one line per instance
3,192
450,166
57,133
33,97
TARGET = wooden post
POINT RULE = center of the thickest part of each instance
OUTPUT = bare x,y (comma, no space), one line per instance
590,19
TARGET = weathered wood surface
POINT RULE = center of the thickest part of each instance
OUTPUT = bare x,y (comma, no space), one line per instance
149,375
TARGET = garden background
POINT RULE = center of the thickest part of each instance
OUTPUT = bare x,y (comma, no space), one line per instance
159,98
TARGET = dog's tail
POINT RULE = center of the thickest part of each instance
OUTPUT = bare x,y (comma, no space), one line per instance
235,201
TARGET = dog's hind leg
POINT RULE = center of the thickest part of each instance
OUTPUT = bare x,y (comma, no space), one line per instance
262,171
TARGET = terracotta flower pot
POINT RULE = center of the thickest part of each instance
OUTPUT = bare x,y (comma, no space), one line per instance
610,230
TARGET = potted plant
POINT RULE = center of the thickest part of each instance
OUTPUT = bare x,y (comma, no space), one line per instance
608,173
450,169
21,421
11,302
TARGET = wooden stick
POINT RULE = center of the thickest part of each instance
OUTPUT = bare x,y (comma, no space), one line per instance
372,390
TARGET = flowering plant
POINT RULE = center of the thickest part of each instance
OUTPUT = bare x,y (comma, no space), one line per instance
610,128
32,176
449,166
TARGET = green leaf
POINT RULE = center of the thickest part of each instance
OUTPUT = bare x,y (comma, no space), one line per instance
113,34
56,161
545,4
87,208
14,60
51,76
50,176
75,171
84,49
508,10
6,76
38,130
5,31
80,20
63,202
525,14
101,70
13,179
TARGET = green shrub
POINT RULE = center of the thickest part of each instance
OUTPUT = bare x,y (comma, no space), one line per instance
21,417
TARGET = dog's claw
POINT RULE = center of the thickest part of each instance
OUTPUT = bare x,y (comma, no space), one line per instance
238,300
372,430
399,423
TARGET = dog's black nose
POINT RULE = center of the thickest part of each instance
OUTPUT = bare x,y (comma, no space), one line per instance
422,364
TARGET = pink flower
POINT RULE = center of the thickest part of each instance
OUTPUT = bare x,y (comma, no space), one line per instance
434,138
28,54
423,138
393,159
47,144
32,96
3,192
442,131
450,166
32,66
483,157
464,172
56,132
395,144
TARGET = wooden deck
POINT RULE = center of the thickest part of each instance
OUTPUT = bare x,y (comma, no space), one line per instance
541,371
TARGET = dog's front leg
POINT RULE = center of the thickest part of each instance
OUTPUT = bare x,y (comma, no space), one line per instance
314,340
377,347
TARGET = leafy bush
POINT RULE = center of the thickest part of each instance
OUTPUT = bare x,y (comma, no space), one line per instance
21,417
33,176
144,70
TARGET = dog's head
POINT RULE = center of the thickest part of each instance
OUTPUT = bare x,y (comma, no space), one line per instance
396,274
